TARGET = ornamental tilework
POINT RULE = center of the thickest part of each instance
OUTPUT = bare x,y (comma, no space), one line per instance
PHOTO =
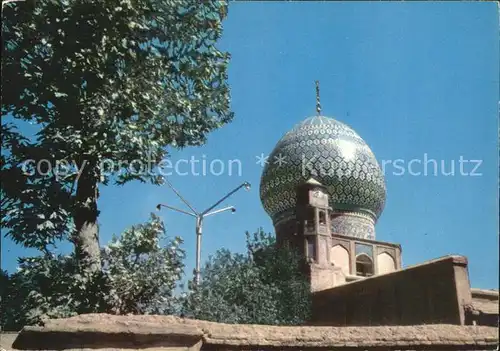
354,226
333,154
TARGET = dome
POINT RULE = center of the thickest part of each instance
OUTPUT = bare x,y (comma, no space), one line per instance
332,153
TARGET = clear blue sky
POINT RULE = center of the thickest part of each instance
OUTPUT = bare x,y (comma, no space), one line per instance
410,78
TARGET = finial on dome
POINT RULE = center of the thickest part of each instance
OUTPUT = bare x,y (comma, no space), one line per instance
318,103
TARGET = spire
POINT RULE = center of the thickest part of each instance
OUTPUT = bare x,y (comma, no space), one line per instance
318,103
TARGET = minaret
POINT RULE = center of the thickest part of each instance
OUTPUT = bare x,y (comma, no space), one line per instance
314,232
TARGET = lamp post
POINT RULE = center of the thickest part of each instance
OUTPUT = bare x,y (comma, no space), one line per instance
199,218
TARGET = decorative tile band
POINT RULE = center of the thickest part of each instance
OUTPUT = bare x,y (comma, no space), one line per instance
353,225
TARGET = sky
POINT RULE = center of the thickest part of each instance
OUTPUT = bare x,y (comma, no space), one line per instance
416,80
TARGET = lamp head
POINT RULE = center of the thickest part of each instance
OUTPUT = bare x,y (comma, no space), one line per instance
247,186
233,210
158,207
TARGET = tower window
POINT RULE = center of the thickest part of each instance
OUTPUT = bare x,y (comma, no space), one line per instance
309,222
322,217
364,265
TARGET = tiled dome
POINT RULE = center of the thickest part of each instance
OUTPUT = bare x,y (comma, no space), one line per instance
332,153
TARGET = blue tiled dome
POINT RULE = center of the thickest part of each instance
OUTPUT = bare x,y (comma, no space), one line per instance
335,155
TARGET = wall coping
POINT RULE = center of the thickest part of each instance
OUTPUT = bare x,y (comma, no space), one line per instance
100,331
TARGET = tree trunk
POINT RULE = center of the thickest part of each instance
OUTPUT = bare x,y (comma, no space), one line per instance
86,236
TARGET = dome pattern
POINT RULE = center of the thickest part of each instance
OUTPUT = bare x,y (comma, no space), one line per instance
332,153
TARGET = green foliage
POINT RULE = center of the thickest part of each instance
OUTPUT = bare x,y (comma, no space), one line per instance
13,295
264,286
56,286
140,272
143,272
116,80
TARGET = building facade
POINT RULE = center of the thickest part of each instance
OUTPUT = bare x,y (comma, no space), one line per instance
325,199
324,194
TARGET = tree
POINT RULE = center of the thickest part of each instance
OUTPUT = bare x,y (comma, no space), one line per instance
107,84
263,286
143,269
140,272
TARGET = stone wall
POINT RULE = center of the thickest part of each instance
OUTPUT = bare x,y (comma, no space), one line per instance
435,292
107,332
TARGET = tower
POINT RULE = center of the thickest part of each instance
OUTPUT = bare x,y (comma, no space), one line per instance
314,232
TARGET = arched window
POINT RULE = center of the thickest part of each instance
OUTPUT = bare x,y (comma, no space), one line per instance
364,265
385,263
339,256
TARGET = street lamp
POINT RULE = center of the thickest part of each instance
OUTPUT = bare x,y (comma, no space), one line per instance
199,218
